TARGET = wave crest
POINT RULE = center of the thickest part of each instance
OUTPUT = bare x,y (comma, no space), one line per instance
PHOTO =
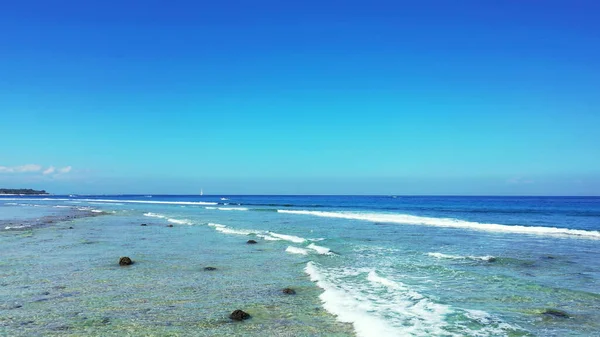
451,223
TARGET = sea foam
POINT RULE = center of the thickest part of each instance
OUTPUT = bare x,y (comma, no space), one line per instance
180,222
380,306
320,249
155,215
148,202
291,238
296,250
449,222
232,209
458,257
227,230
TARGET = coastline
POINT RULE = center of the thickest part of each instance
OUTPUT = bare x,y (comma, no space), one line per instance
68,214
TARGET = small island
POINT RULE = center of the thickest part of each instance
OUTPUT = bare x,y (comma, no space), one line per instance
21,191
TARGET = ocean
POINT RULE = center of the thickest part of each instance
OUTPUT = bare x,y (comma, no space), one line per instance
359,265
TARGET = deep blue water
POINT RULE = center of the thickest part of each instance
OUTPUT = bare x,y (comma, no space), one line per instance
365,265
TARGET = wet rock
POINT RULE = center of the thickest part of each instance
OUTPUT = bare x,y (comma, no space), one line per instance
555,313
210,268
239,315
492,259
289,291
169,225
251,242
143,224
125,261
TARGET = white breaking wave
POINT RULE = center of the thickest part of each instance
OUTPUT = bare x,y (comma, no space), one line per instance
105,203
319,249
296,250
458,257
172,220
291,238
378,307
180,222
16,227
149,202
232,209
228,208
265,235
59,206
449,222
268,237
227,230
155,215
340,301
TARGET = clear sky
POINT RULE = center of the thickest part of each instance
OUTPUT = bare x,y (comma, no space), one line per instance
310,97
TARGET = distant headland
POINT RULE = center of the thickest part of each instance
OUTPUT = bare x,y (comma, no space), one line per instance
22,191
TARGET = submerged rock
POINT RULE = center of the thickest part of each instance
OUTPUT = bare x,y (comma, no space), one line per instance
169,225
125,261
555,313
210,268
70,227
251,242
239,315
143,224
289,291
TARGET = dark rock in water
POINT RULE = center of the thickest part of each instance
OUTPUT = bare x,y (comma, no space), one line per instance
143,224
169,225
289,291
70,227
251,242
239,315
105,320
210,268
549,257
556,313
125,261
492,259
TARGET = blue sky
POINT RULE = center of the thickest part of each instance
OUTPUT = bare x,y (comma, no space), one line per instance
323,97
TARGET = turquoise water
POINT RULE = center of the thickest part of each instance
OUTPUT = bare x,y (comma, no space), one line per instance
366,266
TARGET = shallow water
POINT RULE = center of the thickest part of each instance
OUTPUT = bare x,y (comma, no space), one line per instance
367,266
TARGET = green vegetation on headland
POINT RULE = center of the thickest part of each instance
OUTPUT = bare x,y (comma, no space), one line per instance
21,191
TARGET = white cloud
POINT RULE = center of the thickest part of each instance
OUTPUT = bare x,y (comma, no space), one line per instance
65,169
20,169
49,170
34,168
